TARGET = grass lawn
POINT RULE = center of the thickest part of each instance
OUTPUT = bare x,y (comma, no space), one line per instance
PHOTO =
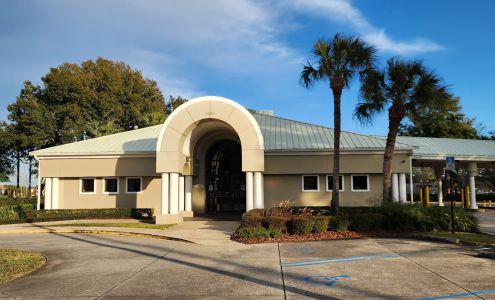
126,225
477,238
15,263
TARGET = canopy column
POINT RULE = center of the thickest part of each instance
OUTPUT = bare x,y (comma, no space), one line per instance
472,171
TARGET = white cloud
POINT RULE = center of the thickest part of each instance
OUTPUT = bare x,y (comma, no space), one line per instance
342,11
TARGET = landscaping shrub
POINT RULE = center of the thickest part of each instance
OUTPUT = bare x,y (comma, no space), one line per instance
321,223
9,212
408,218
302,225
257,212
68,214
252,221
258,232
340,223
366,221
276,223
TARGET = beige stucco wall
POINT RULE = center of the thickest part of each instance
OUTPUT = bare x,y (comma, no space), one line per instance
289,187
323,163
98,166
282,179
148,198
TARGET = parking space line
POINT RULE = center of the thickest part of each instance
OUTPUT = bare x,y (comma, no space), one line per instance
470,294
341,260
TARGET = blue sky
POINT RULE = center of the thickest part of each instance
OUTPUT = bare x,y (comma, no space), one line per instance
251,51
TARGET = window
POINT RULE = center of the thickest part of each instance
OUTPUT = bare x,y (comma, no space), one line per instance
360,183
87,186
310,183
133,185
111,186
330,183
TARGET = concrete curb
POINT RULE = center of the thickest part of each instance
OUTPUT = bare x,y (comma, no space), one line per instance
98,231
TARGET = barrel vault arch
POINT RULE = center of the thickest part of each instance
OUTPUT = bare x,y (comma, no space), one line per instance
172,148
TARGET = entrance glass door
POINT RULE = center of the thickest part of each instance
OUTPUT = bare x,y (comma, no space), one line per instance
225,181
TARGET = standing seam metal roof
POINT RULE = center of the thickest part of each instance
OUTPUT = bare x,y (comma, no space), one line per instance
279,134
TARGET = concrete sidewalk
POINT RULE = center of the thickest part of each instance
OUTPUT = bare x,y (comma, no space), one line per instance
213,233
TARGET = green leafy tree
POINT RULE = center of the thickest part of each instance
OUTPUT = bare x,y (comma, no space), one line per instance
31,126
447,121
337,61
6,166
173,103
100,97
404,88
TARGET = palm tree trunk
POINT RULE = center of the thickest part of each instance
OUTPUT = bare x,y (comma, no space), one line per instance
393,129
337,93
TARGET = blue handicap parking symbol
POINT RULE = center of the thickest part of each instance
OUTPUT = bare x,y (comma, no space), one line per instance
325,280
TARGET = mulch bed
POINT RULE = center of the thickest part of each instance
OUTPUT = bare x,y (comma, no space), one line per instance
329,235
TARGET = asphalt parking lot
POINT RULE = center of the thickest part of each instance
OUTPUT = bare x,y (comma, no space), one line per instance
102,266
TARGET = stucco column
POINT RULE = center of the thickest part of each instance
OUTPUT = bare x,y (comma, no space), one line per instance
38,193
249,191
174,193
402,188
438,178
181,193
48,193
55,193
472,171
258,190
395,187
165,193
188,186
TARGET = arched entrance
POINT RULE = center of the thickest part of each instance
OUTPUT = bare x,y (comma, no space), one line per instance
183,185
225,181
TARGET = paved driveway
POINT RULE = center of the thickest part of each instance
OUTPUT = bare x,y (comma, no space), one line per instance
102,266
487,220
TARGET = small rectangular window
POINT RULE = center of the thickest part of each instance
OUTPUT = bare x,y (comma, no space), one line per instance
360,183
330,183
111,185
87,185
310,183
133,185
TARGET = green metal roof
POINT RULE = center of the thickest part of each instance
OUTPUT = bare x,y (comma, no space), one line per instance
135,141
288,135
281,135
425,146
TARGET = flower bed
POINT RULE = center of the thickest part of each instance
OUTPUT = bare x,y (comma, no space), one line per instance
287,223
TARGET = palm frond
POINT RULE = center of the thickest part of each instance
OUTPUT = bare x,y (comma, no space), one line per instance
309,75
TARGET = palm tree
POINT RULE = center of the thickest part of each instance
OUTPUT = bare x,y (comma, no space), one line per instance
403,88
337,61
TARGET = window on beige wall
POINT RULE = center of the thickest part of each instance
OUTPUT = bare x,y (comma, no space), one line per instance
360,183
310,183
133,185
87,186
111,185
330,183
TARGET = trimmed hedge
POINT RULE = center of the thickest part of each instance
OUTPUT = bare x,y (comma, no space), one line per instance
15,212
71,214
252,221
257,232
302,225
366,221
276,223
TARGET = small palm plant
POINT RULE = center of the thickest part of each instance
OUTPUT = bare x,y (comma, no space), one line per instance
404,88
337,61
